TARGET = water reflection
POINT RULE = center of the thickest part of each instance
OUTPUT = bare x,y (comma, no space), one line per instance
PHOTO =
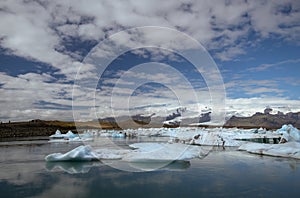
84,167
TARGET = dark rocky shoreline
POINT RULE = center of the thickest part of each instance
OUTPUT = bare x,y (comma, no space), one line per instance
32,128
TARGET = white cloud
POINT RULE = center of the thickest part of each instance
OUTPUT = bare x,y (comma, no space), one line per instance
38,31
22,94
272,65
258,104
29,29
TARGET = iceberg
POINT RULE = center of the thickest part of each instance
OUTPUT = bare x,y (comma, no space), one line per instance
118,135
81,153
144,152
289,149
70,134
289,133
85,167
57,134
69,137
147,152
111,154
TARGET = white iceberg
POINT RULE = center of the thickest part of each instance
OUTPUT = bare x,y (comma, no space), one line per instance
81,153
160,152
145,152
289,149
289,133
70,134
69,137
111,154
118,135
59,135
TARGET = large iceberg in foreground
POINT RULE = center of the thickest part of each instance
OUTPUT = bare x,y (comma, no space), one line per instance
81,153
289,149
144,152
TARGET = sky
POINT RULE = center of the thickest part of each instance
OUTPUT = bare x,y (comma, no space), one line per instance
83,60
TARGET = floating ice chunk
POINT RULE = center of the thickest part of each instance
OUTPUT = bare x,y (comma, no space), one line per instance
147,152
217,139
81,153
147,147
70,134
289,149
118,135
289,133
111,154
59,135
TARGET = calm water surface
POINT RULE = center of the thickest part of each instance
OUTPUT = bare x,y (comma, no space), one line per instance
229,173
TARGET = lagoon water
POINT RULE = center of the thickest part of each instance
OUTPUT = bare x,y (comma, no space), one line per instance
223,173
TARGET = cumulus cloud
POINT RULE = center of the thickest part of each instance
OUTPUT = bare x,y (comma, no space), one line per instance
34,30
46,31
258,104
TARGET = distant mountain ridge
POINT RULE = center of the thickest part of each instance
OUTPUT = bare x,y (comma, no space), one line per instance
265,120
46,128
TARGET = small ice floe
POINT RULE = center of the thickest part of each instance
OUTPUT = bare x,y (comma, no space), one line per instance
289,149
69,137
81,153
289,133
59,135
118,135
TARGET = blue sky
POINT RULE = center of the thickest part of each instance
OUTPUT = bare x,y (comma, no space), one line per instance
43,44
